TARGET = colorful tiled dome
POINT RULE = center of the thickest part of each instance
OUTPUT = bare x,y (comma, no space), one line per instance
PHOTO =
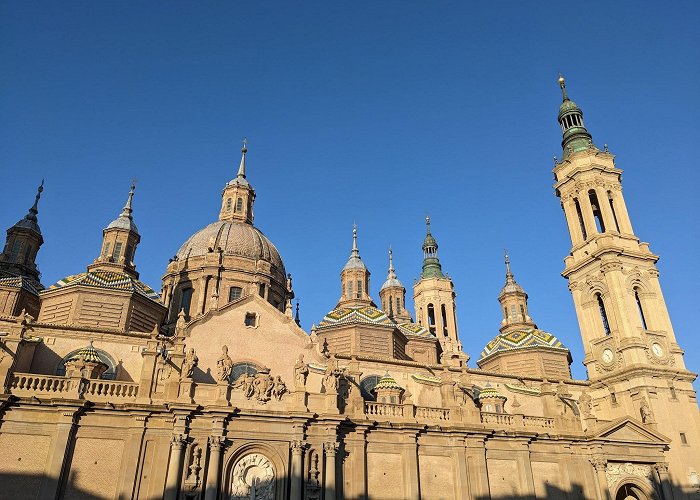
490,392
522,339
414,329
89,354
13,280
110,280
387,382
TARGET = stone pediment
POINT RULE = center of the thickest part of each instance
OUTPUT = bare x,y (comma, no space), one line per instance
629,430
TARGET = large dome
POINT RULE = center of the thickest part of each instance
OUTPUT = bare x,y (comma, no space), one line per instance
234,238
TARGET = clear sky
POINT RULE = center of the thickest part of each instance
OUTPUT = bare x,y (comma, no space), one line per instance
374,112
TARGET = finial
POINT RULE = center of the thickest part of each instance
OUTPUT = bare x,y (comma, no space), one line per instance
244,150
507,260
35,207
556,160
606,148
427,223
296,316
391,260
562,84
126,212
354,237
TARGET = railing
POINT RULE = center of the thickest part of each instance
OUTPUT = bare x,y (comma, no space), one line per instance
427,413
109,389
41,384
545,422
496,418
383,409
47,385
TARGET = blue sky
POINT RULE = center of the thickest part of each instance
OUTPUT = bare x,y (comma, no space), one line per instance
374,112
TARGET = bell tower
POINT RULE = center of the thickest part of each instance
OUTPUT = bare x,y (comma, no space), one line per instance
354,279
631,352
434,294
238,196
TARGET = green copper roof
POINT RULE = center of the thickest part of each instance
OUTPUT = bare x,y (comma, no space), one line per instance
575,135
431,263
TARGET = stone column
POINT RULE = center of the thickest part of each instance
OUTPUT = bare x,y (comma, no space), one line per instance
297,476
623,218
572,219
329,492
172,482
662,473
55,466
605,210
587,212
600,464
411,473
216,446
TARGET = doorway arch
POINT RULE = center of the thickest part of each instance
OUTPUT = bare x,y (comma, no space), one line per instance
631,490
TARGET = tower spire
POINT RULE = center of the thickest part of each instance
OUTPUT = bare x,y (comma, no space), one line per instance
575,136
392,271
513,299
127,211
244,150
431,263
34,210
355,251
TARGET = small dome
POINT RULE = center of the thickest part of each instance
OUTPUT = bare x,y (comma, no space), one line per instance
387,382
354,262
234,238
511,286
89,354
390,283
522,339
123,222
490,392
568,106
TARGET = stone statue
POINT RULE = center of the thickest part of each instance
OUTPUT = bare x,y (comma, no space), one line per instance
584,405
645,411
301,371
224,365
330,378
278,388
189,364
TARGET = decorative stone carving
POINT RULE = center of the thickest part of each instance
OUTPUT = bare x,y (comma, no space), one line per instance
178,441
301,371
253,478
224,365
585,405
313,485
616,471
331,376
598,463
193,479
189,364
262,386
645,412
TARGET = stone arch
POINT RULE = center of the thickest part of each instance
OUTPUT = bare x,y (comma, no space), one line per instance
632,488
113,371
277,463
635,280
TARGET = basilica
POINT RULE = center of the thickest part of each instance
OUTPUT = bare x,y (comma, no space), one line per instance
210,389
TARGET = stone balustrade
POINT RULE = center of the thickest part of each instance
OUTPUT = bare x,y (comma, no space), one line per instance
374,409
30,384
383,409
426,413
506,419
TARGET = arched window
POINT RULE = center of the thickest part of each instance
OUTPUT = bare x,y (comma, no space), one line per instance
186,301
367,384
597,215
234,293
603,314
106,250
349,289
522,312
580,218
228,204
398,305
359,289
505,312
444,319
109,374
117,252
239,205
246,368
431,318
640,308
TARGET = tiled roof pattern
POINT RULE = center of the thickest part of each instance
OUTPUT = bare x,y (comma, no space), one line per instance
13,280
490,392
110,280
522,339
372,316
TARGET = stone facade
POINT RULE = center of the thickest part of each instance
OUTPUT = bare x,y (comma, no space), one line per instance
212,390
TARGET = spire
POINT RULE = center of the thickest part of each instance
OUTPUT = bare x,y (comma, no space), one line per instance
244,150
354,261
513,300
126,212
35,208
296,316
509,274
391,279
126,219
431,263
511,285
392,271
575,136
562,84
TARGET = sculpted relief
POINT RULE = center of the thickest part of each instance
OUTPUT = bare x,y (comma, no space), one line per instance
253,478
262,386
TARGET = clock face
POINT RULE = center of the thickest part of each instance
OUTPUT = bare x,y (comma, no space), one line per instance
657,349
607,355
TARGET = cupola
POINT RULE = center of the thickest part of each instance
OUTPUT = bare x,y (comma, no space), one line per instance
354,279
575,135
392,294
